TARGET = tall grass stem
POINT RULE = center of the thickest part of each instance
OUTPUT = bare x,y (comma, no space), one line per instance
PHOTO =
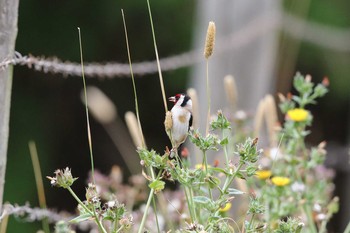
133,80
86,109
208,99
39,182
157,58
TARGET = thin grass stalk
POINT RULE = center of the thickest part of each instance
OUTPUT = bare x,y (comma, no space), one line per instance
86,109
87,209
271,119
347,229
143,221
259,118
190,205
206,172
157,58
39,182
134,129
155,211
231,91
225,148
151,194
309,217
3,224
208,51
208,99
133,81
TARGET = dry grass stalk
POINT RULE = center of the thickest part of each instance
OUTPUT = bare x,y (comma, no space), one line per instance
100,106
259,118
231,90
270,112
134,129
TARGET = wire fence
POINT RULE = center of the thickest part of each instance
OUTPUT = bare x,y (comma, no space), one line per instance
33,214
326,36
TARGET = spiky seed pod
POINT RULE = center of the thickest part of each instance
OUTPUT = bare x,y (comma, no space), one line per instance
168,122
231,90
210,40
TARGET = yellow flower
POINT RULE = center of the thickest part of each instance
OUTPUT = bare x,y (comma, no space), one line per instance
226,208
298,114
280,181
201,166
263,174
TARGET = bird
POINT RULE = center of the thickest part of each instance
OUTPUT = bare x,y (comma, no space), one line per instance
181,116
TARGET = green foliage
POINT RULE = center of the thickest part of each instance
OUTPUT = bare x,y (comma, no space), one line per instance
204,143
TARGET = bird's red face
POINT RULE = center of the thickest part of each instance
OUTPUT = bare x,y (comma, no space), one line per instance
175,98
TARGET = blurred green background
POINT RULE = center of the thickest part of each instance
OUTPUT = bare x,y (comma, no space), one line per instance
46,108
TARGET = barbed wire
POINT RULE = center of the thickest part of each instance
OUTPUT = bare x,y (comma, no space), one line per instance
32,214
321,35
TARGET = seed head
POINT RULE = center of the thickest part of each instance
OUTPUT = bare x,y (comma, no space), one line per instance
231,90
63,178
168,123
210,40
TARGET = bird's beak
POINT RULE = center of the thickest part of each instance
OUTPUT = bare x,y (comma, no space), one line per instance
172,99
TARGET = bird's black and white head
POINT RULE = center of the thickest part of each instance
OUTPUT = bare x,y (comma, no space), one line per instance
182,100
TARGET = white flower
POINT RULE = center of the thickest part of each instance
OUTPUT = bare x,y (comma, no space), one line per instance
298,187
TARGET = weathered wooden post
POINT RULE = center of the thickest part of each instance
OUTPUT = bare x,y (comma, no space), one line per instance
8,34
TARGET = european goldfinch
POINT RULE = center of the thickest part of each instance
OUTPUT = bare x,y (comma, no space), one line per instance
181,115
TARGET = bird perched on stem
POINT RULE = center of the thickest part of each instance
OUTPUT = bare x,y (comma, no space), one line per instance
179,119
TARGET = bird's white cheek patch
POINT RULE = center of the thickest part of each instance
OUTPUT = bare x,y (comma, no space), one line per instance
182,118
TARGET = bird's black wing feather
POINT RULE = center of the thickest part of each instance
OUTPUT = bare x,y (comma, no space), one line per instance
190,123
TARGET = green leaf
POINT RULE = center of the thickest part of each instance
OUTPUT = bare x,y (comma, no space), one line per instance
224,141
218,169
202,200
157,185
213,182
81,218
233,191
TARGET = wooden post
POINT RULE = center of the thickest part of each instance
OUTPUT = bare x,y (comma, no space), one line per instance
8,34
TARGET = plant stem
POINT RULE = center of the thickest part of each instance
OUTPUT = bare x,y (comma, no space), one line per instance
251,221
193,204
142,224
155,213
133,81
157,58
208,99
225,148
309,218
120,228
190,205
115,226
87,209
79,201
347,229
86,109
39,182
230,179
99,222
206,173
